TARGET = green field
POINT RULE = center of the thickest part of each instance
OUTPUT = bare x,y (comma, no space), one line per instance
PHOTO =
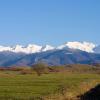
53,86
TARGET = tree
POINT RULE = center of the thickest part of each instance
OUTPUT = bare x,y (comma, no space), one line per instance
40,68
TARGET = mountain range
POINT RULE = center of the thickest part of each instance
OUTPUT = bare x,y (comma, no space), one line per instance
68,53
33,48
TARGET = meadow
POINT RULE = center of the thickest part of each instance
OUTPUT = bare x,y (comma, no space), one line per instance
50,86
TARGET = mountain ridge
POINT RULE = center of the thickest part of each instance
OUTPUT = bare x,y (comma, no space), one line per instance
33,48
68,53
56,57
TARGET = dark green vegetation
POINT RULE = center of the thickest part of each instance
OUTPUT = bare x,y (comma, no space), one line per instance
58,83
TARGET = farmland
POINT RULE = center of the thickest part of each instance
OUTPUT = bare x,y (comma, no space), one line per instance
52,86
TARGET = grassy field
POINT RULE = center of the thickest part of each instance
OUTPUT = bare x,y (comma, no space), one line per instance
53,86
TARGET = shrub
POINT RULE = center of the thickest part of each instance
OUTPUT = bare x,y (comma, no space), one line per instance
3,68
15,68
25,71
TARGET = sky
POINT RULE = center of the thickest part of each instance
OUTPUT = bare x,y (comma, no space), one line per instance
49,21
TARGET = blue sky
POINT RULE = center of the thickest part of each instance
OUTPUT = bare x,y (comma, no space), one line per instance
49,21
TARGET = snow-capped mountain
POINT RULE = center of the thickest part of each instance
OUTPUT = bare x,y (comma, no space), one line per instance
84,46
33,48
47,48
68,53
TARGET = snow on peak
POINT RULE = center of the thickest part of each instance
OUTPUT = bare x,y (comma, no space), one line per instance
47,47
3,48
32,48
29,49
84,46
